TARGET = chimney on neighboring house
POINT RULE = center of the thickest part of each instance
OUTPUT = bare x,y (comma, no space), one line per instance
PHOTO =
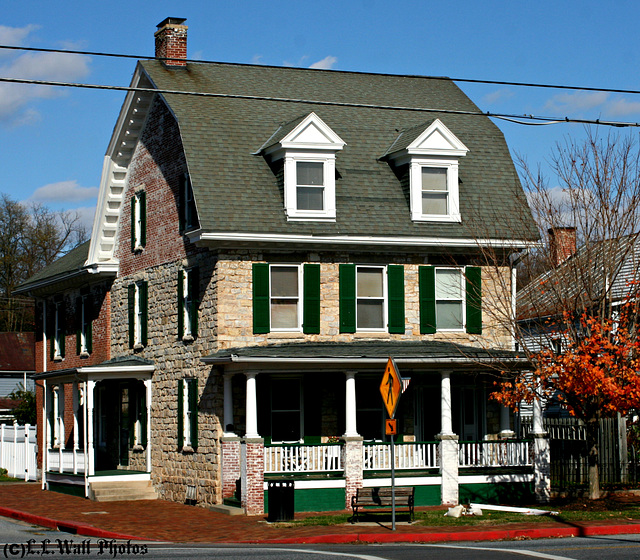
562,244
171,42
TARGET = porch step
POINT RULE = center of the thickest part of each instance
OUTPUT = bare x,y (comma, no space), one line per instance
122,491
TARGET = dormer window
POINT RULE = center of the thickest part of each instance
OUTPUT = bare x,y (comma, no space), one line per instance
308,147
432,157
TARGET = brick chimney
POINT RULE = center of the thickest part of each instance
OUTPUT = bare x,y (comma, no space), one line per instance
562,244
171,42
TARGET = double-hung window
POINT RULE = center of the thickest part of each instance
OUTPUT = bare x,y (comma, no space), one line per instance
188,301
450,299
371,298
188,414
286,298
310,186
84,328
138,220
58,331
138,314
286,410
435,192
187,203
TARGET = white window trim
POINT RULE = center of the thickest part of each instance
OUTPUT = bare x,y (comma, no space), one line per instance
385,299
137,317
58,332
83,326
58,415
328,213
186,305
137,218
453,195
298,328
463,291
186,414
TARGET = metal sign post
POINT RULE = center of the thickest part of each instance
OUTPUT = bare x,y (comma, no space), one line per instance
391,389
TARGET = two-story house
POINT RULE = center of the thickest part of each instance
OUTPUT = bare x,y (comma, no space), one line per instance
265,239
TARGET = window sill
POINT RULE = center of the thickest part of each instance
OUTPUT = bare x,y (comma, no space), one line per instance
187,339
454,218
371,334
286,334
138,249
58,358
187,449
137,448
84,355
138,347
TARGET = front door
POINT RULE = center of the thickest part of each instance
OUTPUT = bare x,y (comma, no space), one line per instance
113,424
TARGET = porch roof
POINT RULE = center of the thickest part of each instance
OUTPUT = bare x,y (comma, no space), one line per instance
436,353
125,364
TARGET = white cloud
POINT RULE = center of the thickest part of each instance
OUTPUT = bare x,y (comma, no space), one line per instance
86,215
14,37
569,103
620,107
326,63
497,96
257,59
63,192
16,99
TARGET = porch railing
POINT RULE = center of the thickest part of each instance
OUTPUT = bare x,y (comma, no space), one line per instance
65,461
495,454
412,455
297,458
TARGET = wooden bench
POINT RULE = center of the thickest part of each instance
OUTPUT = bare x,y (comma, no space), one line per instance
378,500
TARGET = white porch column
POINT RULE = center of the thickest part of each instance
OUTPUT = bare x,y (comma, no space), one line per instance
45,432
147,387
76,425
351,429
251,429
541,455
227,428
90,471
448,448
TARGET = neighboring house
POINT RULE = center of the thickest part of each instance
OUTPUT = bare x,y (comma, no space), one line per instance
17,364
259,251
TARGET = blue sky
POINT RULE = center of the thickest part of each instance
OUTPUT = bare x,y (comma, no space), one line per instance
53,140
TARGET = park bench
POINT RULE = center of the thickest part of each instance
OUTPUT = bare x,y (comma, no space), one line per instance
378,500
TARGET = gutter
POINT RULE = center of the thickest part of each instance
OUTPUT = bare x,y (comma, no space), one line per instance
234,358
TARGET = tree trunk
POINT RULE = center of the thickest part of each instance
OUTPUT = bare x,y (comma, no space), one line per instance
592,446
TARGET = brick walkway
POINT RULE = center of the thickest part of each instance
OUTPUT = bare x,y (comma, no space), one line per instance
160,520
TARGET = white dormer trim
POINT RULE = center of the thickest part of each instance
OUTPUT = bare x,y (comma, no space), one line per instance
436,148
311,141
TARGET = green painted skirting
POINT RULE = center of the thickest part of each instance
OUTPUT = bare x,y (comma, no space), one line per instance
70,489
314,499
427,495
497,493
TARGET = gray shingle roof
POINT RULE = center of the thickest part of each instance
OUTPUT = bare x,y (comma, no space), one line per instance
236,191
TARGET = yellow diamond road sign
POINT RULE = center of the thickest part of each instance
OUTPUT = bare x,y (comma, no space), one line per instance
391,387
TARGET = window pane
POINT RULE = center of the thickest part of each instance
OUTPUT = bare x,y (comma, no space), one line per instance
434,179
310,198
434,204
370,314
310,173
448,284
284,281
284,314
285,394
285,426
369,282
449,314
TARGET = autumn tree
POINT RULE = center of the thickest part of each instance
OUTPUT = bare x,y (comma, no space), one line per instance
577,317
31,237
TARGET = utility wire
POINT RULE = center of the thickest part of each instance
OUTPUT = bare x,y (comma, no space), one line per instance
509,117
465,80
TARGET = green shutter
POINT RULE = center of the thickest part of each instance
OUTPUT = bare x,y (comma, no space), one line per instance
194,293
311,299
143,218
144,304
131,304
180,414
261,322
182,203
473,276
347,286
78,325
133,223
180,304
395,286
193,409
427,287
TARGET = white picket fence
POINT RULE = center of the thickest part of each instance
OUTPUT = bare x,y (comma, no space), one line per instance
495,454
377,456
18,451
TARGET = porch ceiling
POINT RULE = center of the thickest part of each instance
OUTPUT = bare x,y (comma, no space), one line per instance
424,353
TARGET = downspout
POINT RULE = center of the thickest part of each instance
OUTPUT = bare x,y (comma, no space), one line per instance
45,422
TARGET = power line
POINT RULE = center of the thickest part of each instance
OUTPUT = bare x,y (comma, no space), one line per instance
464,80
515,118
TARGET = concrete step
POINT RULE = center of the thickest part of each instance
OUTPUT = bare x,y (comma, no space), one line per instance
121,491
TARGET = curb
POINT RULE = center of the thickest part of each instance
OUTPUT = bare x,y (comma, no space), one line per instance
74,527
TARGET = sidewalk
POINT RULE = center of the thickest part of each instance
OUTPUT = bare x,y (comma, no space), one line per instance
159,520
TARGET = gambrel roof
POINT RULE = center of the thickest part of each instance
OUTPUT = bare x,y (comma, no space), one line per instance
239,194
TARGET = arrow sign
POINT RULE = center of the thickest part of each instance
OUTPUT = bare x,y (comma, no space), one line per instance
391,387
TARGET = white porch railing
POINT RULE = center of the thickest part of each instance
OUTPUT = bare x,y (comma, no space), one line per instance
495,454
418,455
66,461
302,458
18,451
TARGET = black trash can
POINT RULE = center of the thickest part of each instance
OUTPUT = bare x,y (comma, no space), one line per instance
281,500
